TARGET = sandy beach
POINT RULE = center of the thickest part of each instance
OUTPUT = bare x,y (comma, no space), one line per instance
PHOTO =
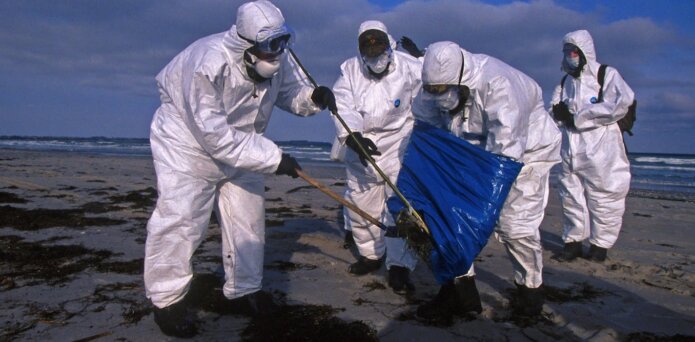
73,228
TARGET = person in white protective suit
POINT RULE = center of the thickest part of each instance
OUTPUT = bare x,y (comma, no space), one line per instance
374,95
595,175
209,153
499,109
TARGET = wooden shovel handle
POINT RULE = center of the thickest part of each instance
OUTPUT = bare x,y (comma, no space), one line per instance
340,199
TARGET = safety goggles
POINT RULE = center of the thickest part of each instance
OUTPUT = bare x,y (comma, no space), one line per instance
384,56
272,42
570,50
373,43
437,89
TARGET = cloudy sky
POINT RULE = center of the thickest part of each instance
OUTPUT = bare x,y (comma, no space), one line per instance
86,68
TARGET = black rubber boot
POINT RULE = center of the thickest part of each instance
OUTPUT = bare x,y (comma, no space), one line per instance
259,303
528,301
399,280
348,240
176,320
364,266
597,253
570,251
442,308
468,296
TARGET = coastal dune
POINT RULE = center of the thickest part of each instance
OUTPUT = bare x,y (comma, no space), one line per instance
73,228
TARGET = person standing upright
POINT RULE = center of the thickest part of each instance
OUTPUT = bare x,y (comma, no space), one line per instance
595,175
374,95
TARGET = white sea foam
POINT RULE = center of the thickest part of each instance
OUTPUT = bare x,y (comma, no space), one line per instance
662,167
664,183
666,160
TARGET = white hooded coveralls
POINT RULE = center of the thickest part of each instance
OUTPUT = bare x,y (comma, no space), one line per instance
595,175
209,152
380,109
504,115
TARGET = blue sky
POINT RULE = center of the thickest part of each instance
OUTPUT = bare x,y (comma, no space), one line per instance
86,68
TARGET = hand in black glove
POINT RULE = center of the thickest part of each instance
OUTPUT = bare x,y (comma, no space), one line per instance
288,166
409,45
562,113
407,228
324,98
368,145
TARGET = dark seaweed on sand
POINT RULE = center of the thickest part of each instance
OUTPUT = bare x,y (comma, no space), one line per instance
286,266
51,264
34,219
580,292
135,266
8,197
292,323
307,323
139,199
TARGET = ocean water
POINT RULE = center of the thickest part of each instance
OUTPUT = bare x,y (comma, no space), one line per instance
302,150
650,171
663,172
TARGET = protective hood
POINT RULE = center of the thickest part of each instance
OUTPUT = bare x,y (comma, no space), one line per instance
251,18
582,39
375,25
442,64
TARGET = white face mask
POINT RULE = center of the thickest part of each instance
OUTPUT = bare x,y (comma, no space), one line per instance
449,100
265,69
379,63
572,62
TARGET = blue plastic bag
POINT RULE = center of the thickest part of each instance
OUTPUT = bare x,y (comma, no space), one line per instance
460,188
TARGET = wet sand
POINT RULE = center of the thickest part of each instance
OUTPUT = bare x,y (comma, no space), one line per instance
72,233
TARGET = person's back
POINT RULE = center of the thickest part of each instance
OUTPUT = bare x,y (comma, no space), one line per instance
504,112
169,125
203,57
533,129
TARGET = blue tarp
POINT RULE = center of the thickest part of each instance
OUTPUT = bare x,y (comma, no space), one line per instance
460,188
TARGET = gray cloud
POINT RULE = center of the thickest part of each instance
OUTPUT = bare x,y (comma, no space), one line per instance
120,46
674,104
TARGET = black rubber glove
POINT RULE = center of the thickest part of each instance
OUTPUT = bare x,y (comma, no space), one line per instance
407,228
368,145
410,46
288,166
562,113
324,98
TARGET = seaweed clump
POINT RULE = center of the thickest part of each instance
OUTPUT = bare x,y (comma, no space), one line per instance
52,264
580,292
34,219
307,323
8,197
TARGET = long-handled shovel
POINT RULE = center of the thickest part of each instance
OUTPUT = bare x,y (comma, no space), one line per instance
340,199
417,239
416,218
